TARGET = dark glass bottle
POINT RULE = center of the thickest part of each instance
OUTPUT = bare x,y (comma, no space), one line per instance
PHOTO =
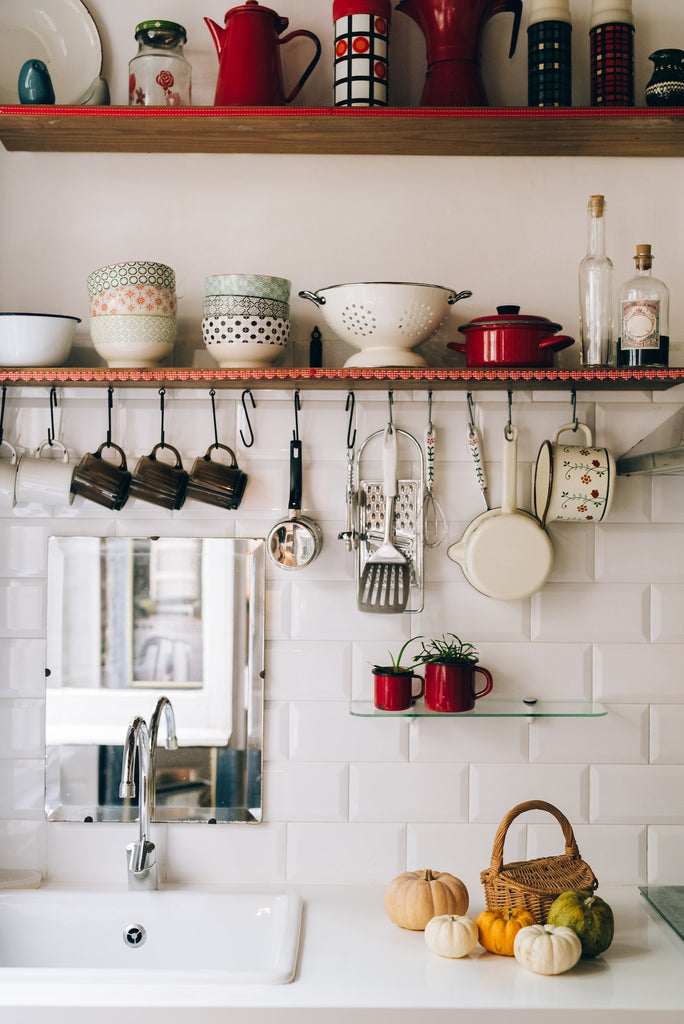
643,311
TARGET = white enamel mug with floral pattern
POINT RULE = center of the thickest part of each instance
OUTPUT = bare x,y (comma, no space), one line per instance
573,483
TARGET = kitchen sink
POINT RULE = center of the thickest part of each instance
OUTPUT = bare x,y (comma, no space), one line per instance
203,936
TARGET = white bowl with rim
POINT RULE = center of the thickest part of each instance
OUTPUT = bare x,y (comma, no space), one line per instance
36,339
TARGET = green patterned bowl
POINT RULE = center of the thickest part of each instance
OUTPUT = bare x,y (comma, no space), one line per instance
133,339
264,287
135,272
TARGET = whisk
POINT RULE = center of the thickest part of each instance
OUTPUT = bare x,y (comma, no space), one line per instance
434,521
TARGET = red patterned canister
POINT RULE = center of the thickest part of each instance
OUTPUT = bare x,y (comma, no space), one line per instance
611,35
361,52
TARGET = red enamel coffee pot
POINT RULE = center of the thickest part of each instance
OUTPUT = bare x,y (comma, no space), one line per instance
453,32
248,48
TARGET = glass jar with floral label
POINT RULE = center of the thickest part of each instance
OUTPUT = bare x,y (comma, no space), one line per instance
159,75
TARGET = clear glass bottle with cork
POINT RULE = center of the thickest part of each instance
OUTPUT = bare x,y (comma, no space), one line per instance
596,291
643,307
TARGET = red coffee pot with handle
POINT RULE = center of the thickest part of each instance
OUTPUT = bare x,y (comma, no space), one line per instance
248,49
453,31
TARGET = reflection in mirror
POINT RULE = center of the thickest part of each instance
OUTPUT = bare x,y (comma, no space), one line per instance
133,619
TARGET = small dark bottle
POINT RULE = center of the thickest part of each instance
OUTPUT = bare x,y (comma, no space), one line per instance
643,315
549,54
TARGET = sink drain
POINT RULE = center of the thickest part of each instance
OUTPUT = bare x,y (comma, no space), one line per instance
134,935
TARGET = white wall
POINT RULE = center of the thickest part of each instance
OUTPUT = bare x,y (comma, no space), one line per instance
349,798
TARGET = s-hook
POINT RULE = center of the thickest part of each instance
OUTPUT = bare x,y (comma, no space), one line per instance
162,392
247,444
297,407
573,402
349,407
2,412
212,395
53,406
508,430
110,404
390,399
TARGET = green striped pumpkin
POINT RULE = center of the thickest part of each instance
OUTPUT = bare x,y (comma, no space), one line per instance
588,915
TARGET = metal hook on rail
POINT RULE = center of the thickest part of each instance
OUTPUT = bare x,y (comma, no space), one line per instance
2,412
349,407
162,392
573,402
53,406
247,444
212,395
390,399
110,404
297,407
509,426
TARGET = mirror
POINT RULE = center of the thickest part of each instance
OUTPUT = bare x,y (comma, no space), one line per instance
131,619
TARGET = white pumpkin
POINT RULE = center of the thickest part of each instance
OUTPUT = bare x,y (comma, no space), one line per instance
546,949
451,935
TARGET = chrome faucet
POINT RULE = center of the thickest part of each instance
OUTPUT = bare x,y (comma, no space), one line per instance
142,863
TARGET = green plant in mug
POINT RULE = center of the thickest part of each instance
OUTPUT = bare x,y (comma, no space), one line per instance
396,668
446,650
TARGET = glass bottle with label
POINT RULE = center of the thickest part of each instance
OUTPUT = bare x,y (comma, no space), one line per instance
159,75
596,291
643,310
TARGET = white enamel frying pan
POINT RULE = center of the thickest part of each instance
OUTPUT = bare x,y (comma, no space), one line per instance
505,553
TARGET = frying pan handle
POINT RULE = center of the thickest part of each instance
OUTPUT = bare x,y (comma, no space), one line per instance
389,463
510,470
295,500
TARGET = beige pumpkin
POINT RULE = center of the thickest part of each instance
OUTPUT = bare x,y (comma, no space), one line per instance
415,897
451,935
547,949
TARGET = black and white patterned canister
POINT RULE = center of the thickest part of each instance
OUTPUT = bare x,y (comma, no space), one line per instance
361,72
549,54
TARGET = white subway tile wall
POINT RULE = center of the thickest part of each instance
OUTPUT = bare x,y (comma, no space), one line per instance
347,798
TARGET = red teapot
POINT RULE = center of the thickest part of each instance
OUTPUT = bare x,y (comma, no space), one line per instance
453,30
249,57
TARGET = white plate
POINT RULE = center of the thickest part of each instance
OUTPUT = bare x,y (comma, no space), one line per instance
59,32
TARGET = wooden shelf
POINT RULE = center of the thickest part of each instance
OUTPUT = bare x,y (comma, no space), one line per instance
470,131
340,379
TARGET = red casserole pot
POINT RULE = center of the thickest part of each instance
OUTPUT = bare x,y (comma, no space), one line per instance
510,339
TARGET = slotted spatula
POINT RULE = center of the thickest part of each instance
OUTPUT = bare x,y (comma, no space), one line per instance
385,580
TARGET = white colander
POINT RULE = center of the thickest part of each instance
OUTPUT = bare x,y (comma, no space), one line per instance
385,320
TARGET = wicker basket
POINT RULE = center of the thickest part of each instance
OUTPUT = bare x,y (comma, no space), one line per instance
535,884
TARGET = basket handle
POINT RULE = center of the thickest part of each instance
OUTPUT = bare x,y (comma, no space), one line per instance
531,805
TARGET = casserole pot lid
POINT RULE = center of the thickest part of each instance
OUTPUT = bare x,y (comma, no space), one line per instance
509,316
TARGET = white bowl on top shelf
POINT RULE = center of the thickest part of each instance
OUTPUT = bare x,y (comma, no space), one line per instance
36,339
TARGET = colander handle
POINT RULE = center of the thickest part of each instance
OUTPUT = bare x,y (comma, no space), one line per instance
454,297
318,300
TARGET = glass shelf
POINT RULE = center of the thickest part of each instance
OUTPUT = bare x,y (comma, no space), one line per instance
498,707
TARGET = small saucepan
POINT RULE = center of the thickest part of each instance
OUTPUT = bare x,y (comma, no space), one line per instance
510,339
293,543
505,553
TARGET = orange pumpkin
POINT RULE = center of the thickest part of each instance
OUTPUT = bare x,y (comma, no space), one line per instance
497,929
415,897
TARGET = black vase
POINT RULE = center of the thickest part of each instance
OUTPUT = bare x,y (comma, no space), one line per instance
666,86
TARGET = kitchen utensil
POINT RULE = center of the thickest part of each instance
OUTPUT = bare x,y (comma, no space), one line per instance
451,688
244,306
573,483
386,319
160,75
293,543
434,520
36,339
350,534
510,339
474,440
249,57
131,274
61,33
535,884
361,31
505,553
453,31
408,515
385,580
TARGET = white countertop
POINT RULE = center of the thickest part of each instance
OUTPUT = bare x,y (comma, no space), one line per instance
353,957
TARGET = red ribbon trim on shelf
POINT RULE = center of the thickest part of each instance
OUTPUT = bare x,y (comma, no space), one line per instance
427,113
